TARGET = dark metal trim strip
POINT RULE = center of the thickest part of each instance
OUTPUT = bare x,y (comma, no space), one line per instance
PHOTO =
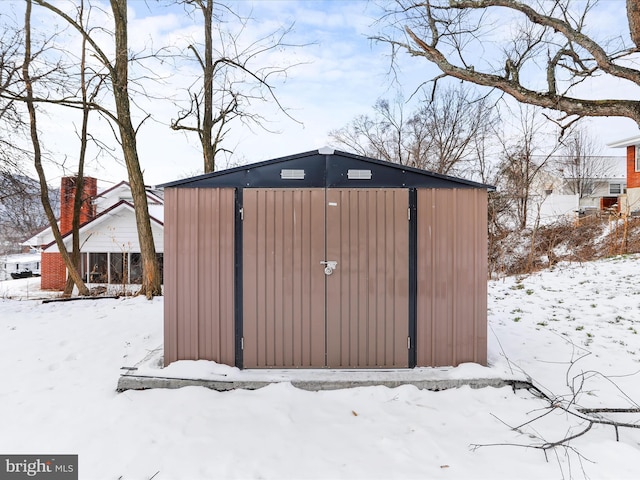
238,281
413,275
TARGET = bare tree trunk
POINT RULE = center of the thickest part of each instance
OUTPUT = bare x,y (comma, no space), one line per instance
151,283
79,195
633,14
223,96
208,149
37,155
119,74
77,205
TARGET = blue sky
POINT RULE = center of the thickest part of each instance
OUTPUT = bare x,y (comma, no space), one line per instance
341,74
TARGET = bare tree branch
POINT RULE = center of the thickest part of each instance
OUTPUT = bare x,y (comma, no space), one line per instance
230,80
440,31
37,156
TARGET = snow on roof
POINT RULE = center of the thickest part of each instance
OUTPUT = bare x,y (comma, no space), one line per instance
635,140
104,215
105,201
20,258
43,237
575,321
616,168
157,211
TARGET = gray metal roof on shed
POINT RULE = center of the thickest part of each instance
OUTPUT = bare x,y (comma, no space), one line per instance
324,168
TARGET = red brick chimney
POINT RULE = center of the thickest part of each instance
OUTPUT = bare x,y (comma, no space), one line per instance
53,271
67,197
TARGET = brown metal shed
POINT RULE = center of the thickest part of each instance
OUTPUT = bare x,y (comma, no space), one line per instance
325,259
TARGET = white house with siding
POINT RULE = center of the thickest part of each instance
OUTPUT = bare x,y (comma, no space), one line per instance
109,246
18,263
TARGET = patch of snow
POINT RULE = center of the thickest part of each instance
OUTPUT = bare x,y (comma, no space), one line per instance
207,370
326,151
576,323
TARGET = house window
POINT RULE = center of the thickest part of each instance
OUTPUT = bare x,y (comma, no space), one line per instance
160,258
617,188
135,268
98,268
118,268
637,147
115,268
84,270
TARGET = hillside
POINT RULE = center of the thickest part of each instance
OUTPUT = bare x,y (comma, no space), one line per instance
513,252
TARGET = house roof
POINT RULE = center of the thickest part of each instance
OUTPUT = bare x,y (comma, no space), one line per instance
152,197
155,205
41,237
324,168
610,168
122,205
635,140
20,258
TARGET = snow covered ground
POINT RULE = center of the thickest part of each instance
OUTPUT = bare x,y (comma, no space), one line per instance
60,363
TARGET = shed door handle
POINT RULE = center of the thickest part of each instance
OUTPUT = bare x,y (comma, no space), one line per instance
330,266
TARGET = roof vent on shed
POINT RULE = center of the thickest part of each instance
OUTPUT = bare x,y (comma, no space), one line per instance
359,174
289,174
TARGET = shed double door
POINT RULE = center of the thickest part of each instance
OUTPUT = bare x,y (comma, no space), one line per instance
302,310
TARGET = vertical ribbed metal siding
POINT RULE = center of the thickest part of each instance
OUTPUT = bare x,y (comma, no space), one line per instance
367,295
283,280
199,274
170,279
452,277
452,269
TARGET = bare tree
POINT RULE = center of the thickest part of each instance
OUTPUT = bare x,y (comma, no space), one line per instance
545,62
522,164
12,123
37,156
117,73
387,135
21,213
580,164
87,98
444,135
10,42
56,84
232,79
457,121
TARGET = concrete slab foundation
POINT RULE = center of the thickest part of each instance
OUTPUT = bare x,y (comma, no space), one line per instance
136,382
149,374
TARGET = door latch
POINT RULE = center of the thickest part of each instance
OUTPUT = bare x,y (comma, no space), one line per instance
330,266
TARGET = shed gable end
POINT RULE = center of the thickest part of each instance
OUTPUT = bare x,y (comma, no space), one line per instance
315,170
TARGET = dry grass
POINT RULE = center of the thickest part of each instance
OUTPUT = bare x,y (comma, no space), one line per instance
514,252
